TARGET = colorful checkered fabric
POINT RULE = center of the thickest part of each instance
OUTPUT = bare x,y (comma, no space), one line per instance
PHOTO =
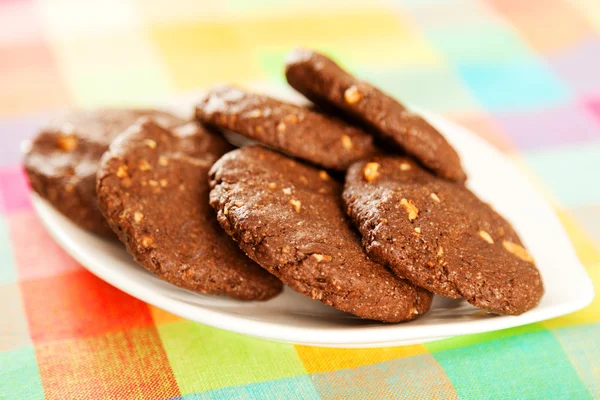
525,75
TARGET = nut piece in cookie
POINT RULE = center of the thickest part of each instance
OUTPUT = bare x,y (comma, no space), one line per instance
302,236
155,198
61,163
318,138
441,237
326,84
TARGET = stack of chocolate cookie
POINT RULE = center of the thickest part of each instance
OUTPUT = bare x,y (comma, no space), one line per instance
284,211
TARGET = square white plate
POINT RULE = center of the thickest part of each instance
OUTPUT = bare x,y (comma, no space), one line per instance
293,318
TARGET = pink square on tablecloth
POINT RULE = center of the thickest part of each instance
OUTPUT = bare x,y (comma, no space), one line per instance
549,127
37,255
578,65
594,105
20,22
14,190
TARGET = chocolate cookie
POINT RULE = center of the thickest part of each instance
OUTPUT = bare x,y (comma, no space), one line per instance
440,236
62,160
320,139
153,190
287,217
325,83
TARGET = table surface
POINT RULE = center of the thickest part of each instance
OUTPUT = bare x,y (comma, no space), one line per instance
523,75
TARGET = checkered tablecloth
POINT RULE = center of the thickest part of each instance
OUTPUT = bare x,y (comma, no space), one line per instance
525,75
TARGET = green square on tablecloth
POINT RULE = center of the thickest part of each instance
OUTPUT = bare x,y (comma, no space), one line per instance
19,375
525,363
205,358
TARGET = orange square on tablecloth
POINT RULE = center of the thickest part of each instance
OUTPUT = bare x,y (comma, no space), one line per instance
161,316
30,79
485,127
120,365
321,359
549,25
78,305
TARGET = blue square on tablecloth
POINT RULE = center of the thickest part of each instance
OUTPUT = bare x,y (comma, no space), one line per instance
524,83
298,387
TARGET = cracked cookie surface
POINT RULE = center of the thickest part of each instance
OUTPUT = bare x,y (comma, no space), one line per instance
440,236
153,190
287,216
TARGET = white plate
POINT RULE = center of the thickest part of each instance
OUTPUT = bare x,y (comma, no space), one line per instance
293,318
